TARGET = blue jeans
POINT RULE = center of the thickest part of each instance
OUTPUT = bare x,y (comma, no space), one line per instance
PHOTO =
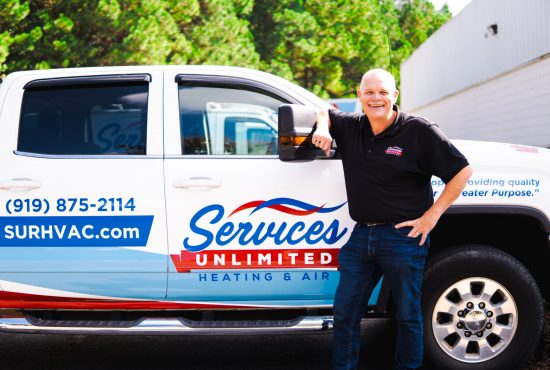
370,252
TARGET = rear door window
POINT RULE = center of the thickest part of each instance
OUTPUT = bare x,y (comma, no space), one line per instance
106,118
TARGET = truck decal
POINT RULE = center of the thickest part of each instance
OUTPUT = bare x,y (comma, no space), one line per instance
247,259
208,230
22,300
248,233
68,205
75,231
496,187
279,204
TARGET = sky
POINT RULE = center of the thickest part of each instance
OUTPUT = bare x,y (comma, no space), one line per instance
455,6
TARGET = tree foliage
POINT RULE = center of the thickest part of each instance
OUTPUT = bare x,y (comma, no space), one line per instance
323,45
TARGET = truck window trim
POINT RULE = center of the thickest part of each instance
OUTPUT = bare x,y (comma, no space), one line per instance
83,81
235,83
222,156
87,156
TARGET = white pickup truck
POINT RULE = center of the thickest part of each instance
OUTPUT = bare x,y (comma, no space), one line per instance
181,199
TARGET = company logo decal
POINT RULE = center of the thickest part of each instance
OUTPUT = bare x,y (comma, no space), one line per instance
208,227
394,150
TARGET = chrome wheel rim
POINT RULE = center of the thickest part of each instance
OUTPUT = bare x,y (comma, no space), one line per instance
474,320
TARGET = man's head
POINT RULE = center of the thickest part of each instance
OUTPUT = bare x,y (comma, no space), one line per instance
377,94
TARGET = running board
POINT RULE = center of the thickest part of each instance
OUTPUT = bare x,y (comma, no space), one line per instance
169,326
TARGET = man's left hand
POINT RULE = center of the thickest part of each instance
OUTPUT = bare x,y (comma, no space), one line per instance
421,226
425,224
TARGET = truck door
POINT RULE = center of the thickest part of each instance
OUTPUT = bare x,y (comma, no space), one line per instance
245,228
82,192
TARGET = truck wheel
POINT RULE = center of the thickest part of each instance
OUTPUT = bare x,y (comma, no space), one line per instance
482,310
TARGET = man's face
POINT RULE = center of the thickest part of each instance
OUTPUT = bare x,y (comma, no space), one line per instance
377,95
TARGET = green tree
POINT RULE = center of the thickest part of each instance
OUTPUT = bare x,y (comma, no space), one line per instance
418,19
58,34
66,33
324,46
149,32
410,23
181,32
221,35
11,13
320,44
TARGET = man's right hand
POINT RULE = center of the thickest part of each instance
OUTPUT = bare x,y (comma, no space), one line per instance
321,137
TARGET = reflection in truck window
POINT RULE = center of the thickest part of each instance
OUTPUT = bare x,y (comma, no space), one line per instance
249,136
110,119
227,121
243,129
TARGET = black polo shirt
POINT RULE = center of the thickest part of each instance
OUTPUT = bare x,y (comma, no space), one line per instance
388,176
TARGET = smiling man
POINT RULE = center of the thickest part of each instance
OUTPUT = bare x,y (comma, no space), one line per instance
389,158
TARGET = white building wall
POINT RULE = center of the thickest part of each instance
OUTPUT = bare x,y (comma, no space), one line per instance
513,107
445,78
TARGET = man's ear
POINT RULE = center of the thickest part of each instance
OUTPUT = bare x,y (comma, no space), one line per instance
396,94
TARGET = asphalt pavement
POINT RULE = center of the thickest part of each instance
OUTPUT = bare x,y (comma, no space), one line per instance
243,352
261,352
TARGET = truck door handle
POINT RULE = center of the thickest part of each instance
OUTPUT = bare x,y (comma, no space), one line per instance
198,183
20,183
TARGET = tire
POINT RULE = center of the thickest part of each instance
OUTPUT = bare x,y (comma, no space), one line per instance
482,310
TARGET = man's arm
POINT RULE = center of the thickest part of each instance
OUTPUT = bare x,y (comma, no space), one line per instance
321,137
425,224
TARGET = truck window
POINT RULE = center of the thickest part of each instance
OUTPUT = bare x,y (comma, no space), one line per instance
227,121
95,119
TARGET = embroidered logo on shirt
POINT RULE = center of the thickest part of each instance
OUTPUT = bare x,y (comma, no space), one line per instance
394,150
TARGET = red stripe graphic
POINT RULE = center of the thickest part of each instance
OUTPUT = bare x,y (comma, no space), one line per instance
13,300
278,207
252,204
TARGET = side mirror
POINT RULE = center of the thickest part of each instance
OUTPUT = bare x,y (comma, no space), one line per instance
296,126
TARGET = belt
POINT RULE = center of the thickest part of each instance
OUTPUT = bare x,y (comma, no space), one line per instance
372,223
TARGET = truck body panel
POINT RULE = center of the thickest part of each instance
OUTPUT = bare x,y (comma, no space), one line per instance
147,190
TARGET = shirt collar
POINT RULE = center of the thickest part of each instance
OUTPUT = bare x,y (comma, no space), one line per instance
392,129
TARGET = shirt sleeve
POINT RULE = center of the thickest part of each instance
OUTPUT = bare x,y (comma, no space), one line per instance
335,117
440,157
342,124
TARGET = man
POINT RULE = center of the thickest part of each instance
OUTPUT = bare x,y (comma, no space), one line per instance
389,158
